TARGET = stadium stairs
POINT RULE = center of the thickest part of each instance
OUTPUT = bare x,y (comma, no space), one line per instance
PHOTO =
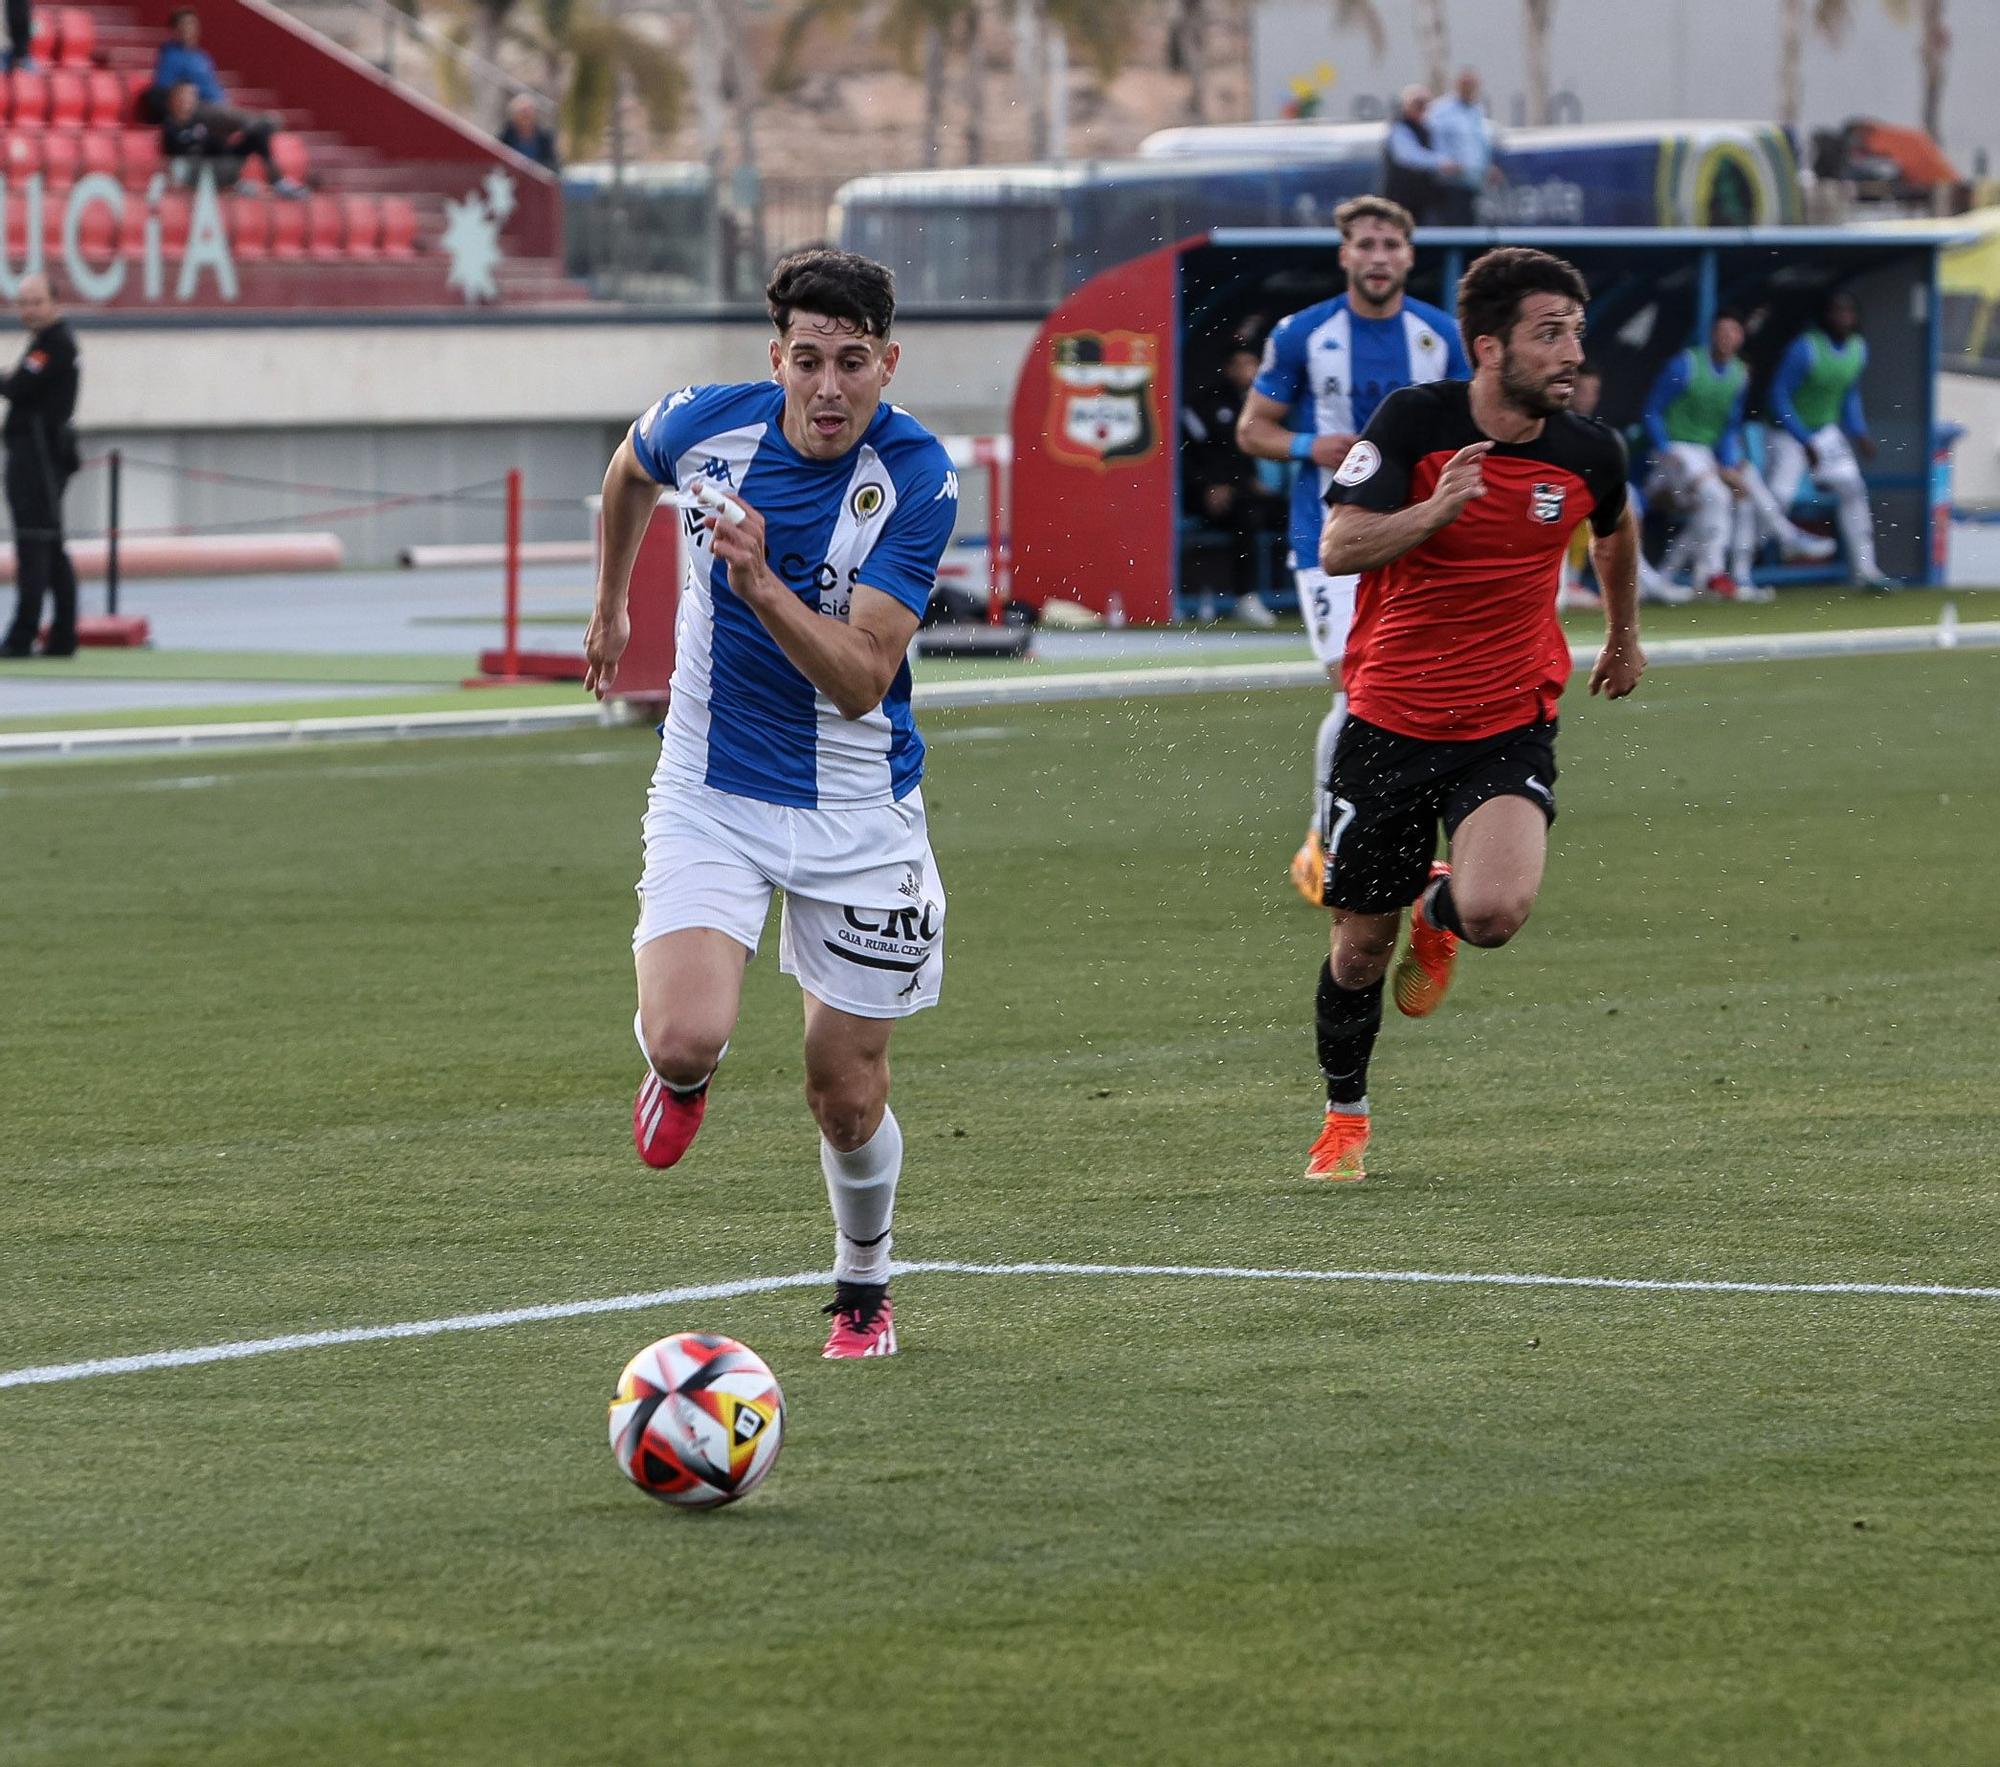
380,161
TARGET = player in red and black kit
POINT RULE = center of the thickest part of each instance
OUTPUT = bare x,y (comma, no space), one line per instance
1457,505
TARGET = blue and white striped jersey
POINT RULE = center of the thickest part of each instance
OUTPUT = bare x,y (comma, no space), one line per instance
1332,368
741,718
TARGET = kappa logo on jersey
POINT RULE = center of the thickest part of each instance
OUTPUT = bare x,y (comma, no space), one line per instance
866,501
949,489
1101,403
1361,464
718,470
1545,502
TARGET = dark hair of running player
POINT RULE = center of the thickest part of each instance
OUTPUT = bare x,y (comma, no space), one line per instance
1490,296
839,285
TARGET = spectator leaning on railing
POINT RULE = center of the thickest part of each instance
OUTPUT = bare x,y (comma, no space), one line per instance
1462,132
525,134
1414,171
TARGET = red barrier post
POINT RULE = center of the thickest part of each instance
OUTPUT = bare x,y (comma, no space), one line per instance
513,641
115,474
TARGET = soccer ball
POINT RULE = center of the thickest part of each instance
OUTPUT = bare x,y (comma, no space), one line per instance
697,1420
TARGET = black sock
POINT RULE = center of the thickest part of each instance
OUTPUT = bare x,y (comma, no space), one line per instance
1441,910
1346,1022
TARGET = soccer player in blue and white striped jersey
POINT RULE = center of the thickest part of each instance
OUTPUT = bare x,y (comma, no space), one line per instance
790,758
1325,371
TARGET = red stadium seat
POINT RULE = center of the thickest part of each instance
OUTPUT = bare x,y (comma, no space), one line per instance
107,98
288,229
20,155
96,233
62,156
100,152
399,227
41,37
323,226
77,38
250,226
137,85
69,99
30,109
174,217
364,226
289,151
140,150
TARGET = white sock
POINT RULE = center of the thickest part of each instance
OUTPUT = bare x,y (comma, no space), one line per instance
1329,734
861,1186
1743,542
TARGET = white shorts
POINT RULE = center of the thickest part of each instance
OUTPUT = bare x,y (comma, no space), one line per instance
1328,605
863,923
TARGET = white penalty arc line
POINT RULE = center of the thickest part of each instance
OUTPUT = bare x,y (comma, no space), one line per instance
51,1374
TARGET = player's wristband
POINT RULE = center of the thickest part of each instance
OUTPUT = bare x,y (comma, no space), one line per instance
1302,446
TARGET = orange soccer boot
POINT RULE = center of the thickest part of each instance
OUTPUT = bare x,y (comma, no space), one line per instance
1343,1139
1309,869
1423,972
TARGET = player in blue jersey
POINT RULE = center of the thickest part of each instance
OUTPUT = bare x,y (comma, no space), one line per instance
790,759
1325,370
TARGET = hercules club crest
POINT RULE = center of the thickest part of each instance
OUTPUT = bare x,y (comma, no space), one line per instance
1101,405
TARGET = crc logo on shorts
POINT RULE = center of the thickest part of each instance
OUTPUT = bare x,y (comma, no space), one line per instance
1363,461
1545,503
900,939
866,501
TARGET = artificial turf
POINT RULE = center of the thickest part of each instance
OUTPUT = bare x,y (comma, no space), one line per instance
299,1040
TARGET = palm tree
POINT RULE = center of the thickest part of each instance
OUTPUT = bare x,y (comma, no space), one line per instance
1536,19
1831,18
1364,16
1187,52
1043,32
1434,39
920,31
1934,48
595,60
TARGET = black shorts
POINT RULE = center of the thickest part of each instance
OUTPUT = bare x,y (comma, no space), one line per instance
1390,793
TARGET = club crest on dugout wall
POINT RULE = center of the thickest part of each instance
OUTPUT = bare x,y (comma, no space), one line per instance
1101,399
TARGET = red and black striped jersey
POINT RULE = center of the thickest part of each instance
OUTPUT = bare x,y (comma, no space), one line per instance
1458,638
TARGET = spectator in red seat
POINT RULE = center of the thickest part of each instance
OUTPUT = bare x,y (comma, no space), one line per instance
41,461
525,134
181,58
20,29
195,133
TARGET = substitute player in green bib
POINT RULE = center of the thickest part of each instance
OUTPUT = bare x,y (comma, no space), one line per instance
1694,419
1816,399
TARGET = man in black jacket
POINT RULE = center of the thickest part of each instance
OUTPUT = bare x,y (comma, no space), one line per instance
41,459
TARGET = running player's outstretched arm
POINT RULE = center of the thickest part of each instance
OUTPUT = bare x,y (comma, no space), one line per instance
629,495
1614,551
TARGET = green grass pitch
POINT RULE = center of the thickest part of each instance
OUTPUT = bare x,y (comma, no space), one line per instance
317,1039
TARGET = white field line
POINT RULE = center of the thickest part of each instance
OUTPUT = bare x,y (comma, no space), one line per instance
54,1373
1033,689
